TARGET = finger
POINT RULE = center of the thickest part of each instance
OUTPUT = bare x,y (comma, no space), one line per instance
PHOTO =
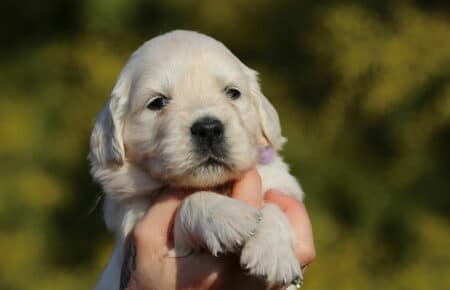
301,224
249,188
154,230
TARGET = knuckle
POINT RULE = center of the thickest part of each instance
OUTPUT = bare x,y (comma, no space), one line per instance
140,234
306,255
309,257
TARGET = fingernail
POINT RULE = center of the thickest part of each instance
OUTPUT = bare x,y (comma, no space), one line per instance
274,191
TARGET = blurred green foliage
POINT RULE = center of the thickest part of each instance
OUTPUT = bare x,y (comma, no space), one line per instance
362,87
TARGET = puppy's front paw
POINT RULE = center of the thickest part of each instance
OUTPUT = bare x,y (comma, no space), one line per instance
230,225
269,254
219,223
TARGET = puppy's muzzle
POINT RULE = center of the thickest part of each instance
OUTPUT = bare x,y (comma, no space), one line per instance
208,135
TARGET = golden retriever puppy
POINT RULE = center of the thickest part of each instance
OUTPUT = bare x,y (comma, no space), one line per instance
186,113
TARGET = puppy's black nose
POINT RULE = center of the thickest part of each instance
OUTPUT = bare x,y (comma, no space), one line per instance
208,130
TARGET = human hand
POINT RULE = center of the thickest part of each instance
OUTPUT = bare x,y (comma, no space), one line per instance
151,268
247,189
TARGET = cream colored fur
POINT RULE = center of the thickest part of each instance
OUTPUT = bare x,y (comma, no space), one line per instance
135,152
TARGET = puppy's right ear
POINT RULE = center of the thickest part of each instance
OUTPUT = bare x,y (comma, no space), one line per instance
268,116
106,141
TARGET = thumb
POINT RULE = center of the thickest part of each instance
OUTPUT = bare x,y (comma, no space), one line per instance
249,188
298,217
155,229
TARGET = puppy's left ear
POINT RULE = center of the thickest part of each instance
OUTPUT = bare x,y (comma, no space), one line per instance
268,116
106,141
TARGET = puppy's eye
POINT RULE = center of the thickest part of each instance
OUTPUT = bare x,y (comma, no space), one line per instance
233,93
157,103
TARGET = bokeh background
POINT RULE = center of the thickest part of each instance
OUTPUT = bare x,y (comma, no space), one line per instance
362,87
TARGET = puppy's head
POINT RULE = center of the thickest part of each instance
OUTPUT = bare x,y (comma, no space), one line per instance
185,112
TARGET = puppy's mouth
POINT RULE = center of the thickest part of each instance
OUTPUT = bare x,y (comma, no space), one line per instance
214,162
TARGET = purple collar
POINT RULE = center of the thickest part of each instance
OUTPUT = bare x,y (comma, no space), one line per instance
266,155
